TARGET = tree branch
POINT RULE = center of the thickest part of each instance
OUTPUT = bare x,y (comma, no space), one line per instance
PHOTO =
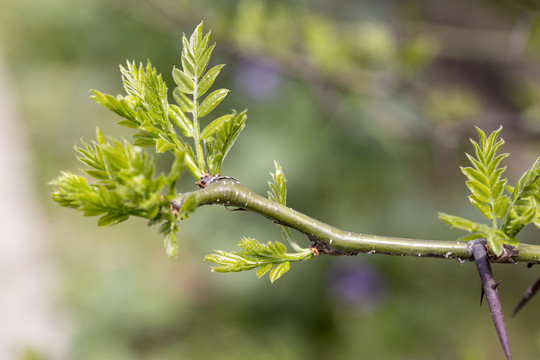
330,240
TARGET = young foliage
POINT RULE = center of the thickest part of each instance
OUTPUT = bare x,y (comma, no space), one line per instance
125,186
226,130
508,214
494,236
193,83
125,183
271,257
523,207
145,107
278,193
485,181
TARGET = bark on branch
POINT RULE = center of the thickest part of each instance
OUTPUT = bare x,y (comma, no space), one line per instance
334,241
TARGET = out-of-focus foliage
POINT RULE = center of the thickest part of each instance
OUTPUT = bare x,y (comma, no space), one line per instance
369,107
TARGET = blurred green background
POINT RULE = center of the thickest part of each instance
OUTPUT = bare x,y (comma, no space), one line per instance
368,106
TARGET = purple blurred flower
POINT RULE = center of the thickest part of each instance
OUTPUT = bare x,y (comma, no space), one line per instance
357,285
258,78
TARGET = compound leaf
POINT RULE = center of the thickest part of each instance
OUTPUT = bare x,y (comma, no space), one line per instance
257,255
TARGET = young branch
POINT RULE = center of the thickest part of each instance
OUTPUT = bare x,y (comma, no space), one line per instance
330,240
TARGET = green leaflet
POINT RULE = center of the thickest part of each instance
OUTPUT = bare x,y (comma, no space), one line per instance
183,101
279,270
184,82
209,79
120,107
112,219
278,193
218,146
215,126
263,270
169,229
212,101
180,120
163,145
278,187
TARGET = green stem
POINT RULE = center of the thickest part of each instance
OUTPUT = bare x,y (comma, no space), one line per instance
493,215
197,135
334,241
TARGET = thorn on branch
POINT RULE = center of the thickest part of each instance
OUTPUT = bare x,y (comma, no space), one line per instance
494,287
531,291
489,288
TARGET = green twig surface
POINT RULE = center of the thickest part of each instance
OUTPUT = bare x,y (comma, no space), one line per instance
330,240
